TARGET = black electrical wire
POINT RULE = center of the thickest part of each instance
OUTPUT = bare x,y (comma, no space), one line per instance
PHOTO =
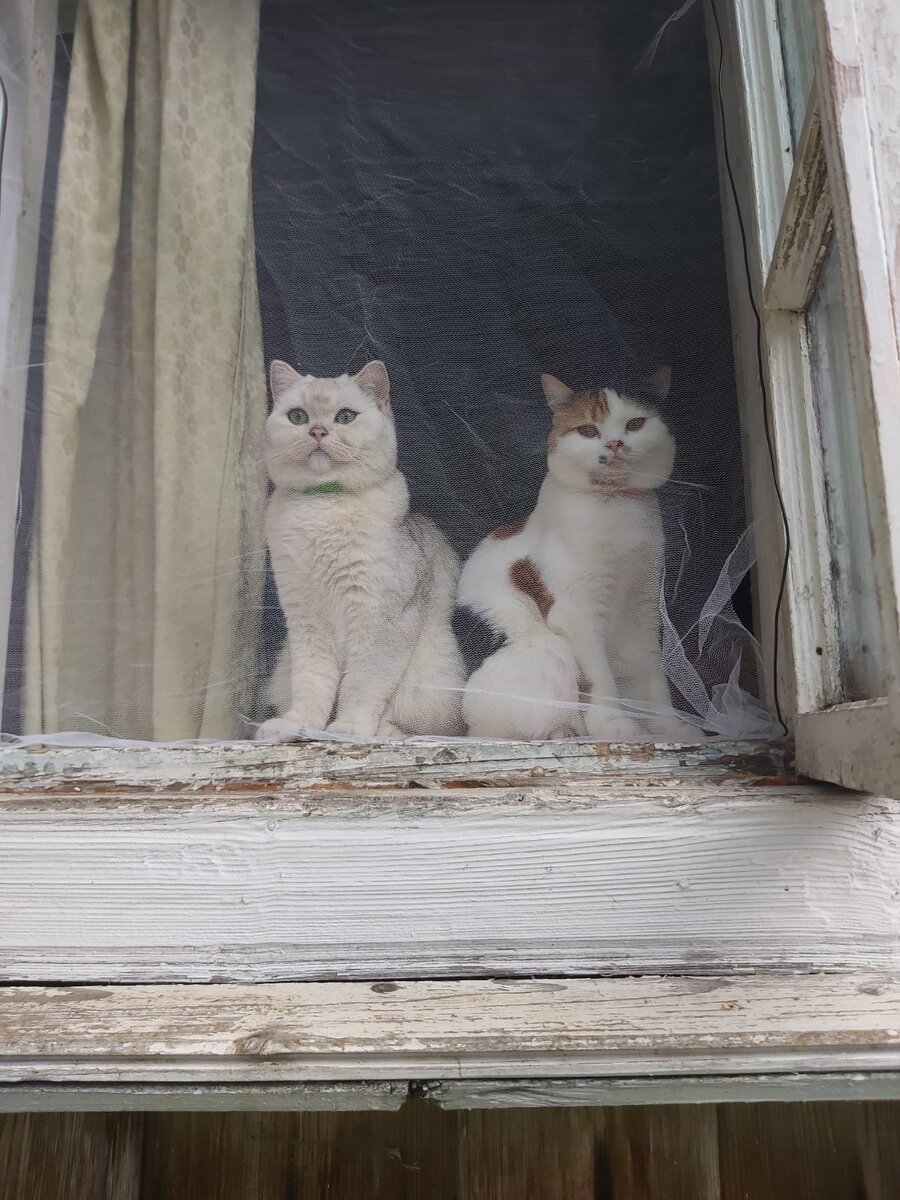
760,356
4,107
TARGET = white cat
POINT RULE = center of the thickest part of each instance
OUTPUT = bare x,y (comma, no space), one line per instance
366,587
575,588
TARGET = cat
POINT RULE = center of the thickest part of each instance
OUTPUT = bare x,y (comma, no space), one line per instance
366,586
575,588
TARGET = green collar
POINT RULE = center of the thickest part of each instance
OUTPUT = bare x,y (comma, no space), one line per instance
324,489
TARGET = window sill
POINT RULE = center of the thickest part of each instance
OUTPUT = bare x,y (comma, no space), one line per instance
250,864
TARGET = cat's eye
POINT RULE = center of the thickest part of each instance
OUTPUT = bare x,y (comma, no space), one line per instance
588,430
345,416
298,416
635,424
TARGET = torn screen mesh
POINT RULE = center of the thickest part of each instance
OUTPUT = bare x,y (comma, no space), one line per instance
476,196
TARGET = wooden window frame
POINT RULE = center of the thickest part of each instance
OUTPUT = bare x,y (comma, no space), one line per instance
843,182
713,864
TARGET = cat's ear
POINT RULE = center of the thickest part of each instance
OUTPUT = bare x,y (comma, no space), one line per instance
657,385
556,393
373,379
281,376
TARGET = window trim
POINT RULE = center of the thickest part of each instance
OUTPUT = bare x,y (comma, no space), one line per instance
832,190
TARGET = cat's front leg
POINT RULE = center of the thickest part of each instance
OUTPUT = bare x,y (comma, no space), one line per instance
643,672
648,686
313,676
377,657
603,715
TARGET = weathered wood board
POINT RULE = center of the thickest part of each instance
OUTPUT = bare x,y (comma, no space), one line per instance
270,1033
433,861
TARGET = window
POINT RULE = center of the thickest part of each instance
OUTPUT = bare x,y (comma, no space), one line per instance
473,259
246,863
821,119
491,209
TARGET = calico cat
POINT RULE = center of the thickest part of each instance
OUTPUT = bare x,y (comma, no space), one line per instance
366,587
575,588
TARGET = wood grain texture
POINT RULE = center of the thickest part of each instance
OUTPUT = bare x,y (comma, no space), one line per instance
877,1129
718,870
70,1156
320,766
542,1156
216,1156
620,1093
735,1152
331,1032
408,1155
671,1152
858,47
310,1097
753,129
806,1152
806,224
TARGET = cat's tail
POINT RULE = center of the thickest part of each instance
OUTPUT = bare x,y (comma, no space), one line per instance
505,590
526,691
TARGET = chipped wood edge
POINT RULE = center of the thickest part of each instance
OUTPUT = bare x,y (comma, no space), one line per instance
263,1034
806,224
777,196
857,48
300,1097
453,1095
619,1093
753,102
248,766
855,745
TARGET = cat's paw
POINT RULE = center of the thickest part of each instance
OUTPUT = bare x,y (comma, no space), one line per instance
674,730
616,729
282,729
389,729
353,727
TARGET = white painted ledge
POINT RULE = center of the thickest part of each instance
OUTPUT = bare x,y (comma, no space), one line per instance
243,864
314,1032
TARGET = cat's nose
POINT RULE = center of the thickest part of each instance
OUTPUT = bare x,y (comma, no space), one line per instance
615,444
318,432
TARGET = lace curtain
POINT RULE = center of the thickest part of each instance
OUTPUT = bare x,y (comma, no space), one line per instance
147,555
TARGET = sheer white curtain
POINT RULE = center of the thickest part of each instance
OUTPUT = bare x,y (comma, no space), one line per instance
147,556
27,42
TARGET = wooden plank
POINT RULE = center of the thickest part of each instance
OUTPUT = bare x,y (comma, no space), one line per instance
310,1097
878,1147
753,130
857,52
735,871
406,1155
619,1093
663,1152
764,1024
205,1156
73,1156
538,1155
806,224
247,767
805,1151
856,745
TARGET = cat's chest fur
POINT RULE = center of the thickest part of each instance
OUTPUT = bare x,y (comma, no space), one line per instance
593,553
334,553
